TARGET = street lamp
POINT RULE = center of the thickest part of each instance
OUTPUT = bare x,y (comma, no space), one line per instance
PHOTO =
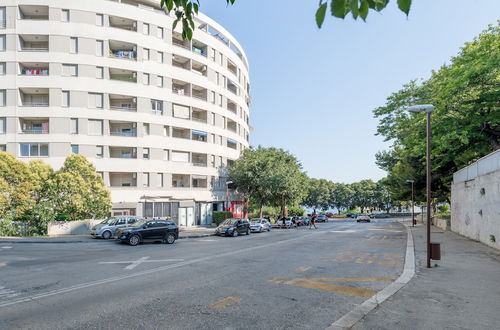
227,193
427,108
412,202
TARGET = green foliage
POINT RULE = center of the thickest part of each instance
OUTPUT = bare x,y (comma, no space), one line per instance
296,211
465,122
318,194
9,228
219,216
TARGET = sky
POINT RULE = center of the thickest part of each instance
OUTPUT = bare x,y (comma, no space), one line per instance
313,91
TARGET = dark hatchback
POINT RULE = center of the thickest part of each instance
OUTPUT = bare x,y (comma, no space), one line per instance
152,230
233,227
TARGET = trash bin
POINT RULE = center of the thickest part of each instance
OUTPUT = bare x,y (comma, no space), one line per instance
436,251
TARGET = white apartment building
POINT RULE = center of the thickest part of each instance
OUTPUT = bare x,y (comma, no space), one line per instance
161,118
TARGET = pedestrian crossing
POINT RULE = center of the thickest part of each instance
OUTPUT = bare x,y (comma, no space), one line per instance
6,294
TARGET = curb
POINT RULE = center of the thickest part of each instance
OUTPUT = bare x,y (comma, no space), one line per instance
27,241
359,312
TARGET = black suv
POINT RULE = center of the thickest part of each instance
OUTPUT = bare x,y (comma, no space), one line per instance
233,227
151,230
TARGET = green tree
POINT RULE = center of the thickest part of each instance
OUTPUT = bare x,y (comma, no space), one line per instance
318,194
185,10
341,196
364,193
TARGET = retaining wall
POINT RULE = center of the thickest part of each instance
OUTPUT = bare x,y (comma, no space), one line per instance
80,227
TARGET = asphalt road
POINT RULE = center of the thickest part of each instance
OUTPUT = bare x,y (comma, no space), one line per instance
286,279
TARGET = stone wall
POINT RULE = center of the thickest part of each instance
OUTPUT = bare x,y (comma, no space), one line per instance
81,227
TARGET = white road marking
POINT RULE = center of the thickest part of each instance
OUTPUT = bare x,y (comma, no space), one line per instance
135,263
6,247
343,231
7,293
147,272
207,240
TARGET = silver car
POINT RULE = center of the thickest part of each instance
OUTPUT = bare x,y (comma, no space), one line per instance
107,228
259,225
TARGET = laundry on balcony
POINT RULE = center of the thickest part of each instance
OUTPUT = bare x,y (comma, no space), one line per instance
34,72
123,53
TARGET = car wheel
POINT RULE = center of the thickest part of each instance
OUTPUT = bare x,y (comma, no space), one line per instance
235,233
170,238
106,234
248,231
134,240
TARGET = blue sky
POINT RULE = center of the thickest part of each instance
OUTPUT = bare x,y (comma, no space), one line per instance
314,90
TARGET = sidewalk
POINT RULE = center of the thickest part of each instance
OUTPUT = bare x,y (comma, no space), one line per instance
191,232
463,292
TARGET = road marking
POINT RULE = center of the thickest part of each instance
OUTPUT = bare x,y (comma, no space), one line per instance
6,247
389,259
206,240
319,284
367,258
223,303
383,245
325,259
302,268
343,231
135,263
7,293
149,271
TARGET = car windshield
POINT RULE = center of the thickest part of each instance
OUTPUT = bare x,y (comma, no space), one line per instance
108,221
139,223
228,222
255,221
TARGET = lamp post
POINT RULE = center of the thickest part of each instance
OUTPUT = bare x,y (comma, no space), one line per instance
427,108
227,193
412,203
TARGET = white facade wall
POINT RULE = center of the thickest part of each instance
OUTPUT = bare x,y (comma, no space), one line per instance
35,106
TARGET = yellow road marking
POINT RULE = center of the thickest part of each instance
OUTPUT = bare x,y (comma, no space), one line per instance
302,268
367,258
383,245
325,259
223,303
389,259
319,284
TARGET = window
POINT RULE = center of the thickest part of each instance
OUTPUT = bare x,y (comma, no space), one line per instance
159,57
96,100
165,131
73,128
65,99
165,154
220,100
73,45
95,127
145,55
74,148
70,70
3,147
181,111
2,43
218,78
99,19
212,54
65,15
2,125
145,177
145,78
99,72
145,28
160,180
3,68
159,81
34,149
99,48
160,32
99,151
145,128
157,107
212,161
213,97
145,153
180,156
3,97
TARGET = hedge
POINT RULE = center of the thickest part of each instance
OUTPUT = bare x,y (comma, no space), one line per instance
219,216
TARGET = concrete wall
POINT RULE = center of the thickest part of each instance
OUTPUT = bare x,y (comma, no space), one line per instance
475,202
81,227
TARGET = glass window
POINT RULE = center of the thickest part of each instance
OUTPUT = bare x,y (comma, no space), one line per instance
99,19
73,126
160,81
34,149
3,68
65,15
2,125
145,153
165,131
3,98
95,127
99,72
160,32
145,182
2,43
146,129
145,78
165,154
157,107
96,100
65,99
99,48
74,148
73,45
99,151
3,147
145,28
145,54
159,57
70,70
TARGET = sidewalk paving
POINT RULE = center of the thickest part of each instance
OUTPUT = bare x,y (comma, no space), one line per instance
191,232
463,292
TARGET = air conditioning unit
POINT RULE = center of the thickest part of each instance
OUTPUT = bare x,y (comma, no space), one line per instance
134,99
134,175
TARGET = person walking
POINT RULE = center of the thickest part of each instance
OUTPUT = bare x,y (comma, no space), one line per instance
313,221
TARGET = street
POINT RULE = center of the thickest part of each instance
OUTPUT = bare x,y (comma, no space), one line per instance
285,279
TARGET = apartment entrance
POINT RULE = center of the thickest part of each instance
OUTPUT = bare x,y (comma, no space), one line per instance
186,216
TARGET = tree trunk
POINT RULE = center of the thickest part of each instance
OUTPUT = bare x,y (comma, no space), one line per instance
260,211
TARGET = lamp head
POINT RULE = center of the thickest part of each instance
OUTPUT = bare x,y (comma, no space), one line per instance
410,181
421,108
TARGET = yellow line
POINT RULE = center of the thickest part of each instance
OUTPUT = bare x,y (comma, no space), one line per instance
355,279
325,259
383,245
223,303
302,268
347,290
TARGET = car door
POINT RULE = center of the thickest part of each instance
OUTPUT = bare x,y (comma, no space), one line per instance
161,228
148,229
120,223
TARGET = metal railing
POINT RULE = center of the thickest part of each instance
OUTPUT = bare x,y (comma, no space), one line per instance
199,96
33,49
200,164
179,43
124,27
201,120
35,131
122,108
120,133
123,54
123,77
35,104
34,72
180,91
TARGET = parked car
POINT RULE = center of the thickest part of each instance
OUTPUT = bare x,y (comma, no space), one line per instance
233,227
363,217
284,222
330,215
351,215
259,225
151,230
299,221
107,228
380,215
322,218
307,220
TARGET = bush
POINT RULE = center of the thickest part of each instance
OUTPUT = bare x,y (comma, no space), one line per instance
10,228
295,211
219,216
62,217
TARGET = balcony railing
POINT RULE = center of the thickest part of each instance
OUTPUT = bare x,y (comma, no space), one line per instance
180,91
123,107
200,120
200,164
199,96
35,131
232,89
34,72
179,43
125,54
35,104
3,24
124,133
123,77
35,49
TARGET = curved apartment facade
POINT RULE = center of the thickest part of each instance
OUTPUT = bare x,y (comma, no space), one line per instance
161,118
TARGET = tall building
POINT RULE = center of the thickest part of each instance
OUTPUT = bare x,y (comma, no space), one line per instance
160,117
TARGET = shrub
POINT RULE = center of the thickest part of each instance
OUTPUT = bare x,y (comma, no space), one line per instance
296,211
62,217
10,228
219,216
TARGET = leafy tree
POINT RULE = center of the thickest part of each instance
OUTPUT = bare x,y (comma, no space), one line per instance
184,10
318,194
296,211
364,193
341,196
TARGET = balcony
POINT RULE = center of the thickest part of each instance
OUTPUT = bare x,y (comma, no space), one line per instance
122,50
34,97
200,93
34,69
199,48
181,87
232,87
122,23
180,180
199,181
122,103
122,75
34,126
123,152
231,106
199,68
232,67
232,126
199,115
181,133
181,62
34,43
232,144
199,136
122,179
117,128
199,160
177,40
32,12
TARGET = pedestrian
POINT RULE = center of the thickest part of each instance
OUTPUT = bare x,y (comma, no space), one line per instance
313,221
